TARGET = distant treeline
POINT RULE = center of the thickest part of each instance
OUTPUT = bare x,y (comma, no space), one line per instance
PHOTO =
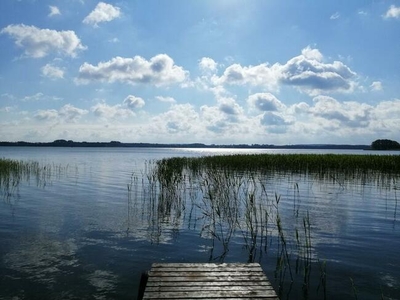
384,144
70,143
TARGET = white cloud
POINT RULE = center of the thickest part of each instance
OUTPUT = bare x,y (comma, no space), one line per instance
207,64
71,113
307,72
45,115
213,119
54,11
312,54
299,108
335,16
393,12
265,102
35,97
388,111
351,114
52,72
273,119
260,75
229,106
217,122
310,74
67,113
160,70
103,12
185,123
166,99
106,111
325,120
40,97
38,42
181,120
133,102
376,86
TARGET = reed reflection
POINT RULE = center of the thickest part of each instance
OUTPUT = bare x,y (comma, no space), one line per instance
247,200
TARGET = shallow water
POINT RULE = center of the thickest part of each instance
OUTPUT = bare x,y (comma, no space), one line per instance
80,233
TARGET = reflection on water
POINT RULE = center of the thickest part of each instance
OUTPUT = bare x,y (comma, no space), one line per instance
105,217
41,258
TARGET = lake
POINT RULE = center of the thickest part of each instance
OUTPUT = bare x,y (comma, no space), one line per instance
87,228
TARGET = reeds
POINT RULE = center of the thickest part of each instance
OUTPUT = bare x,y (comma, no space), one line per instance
231,196
13,172
291,162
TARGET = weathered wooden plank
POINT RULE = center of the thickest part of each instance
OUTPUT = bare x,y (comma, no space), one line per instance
205,269
205,265
192,288
209,295
208,284
204,274
208,281
224,298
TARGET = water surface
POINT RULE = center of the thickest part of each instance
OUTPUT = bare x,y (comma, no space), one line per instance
82,234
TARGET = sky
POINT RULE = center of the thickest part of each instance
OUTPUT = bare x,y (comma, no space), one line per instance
200,71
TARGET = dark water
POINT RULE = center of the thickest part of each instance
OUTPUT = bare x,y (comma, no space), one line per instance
79,233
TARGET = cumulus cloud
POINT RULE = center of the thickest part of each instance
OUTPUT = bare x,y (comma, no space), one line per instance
229,106
328,119
71,113
213,119
133,102
181,119
265,102
207,64
275,113
165,99
376,86
103,12
388,110
38,42
160,70
185,123
67,113
260,75
299,108
392,12
54,11
106,111
352,114
48,114
308,72
270,118
52,72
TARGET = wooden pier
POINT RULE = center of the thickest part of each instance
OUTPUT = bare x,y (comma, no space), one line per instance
208,281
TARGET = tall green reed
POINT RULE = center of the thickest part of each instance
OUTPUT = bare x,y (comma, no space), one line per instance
230,196
14,172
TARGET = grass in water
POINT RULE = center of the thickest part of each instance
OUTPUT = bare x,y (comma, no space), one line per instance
13,172
231,198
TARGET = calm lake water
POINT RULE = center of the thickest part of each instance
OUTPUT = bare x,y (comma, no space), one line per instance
87,229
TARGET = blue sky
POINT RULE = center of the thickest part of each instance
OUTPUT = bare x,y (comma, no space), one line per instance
210,71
